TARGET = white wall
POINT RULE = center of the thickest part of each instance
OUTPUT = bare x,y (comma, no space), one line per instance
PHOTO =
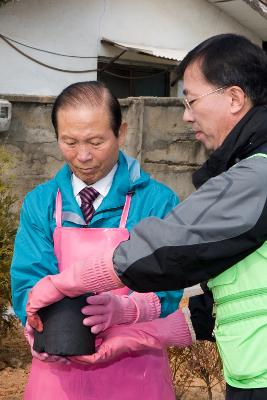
169,23
76,26
63,26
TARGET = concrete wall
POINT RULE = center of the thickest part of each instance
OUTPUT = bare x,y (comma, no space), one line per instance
76,27
156,136
161,141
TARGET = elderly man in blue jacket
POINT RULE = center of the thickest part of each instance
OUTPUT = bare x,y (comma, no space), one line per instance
87,121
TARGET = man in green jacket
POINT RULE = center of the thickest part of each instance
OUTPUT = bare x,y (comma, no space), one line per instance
222,224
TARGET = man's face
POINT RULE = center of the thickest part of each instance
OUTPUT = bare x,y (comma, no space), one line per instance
87,141
210,115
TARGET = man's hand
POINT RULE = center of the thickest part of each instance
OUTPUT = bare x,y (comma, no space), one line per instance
122,340
107,309
95,274
29,334
118,341
41,295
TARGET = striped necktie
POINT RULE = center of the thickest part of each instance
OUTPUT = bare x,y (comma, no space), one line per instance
88,196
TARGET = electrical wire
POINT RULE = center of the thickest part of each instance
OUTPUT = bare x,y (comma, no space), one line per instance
44,64
42,50
7,40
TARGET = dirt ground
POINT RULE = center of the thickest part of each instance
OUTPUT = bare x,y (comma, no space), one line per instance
14,368
15,360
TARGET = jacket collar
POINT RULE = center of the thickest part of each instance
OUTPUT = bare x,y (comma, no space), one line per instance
127,178
246,137
70,208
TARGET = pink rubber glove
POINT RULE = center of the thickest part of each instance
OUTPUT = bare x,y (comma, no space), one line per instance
107,309
94,275
41,295
122,340
28,333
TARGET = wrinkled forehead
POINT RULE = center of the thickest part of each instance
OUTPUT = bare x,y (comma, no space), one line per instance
84,112
84,117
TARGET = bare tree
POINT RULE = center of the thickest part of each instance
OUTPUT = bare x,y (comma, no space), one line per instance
198,366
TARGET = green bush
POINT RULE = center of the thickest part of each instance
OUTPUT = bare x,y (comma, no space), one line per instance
8,226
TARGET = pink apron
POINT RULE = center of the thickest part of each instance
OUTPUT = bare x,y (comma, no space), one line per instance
143,375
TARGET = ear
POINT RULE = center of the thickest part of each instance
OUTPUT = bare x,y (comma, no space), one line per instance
122,133
238,100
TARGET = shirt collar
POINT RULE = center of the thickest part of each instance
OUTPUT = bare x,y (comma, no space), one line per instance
102,186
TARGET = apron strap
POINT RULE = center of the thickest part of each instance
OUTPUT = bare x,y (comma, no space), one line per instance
58,209
124,215
125,210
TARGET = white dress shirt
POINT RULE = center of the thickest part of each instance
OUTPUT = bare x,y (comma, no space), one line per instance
102,186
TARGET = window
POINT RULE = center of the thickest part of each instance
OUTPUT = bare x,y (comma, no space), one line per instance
132,80
3,112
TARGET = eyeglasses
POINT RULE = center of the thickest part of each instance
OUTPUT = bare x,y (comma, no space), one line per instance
188,103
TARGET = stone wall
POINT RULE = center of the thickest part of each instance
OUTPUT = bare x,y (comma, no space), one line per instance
165,145
157,136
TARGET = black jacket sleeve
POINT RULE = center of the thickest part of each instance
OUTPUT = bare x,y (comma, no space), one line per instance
201,310
215,227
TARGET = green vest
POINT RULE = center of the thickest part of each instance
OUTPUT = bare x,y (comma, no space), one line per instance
240,296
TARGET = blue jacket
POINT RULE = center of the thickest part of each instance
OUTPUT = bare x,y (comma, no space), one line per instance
34,255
